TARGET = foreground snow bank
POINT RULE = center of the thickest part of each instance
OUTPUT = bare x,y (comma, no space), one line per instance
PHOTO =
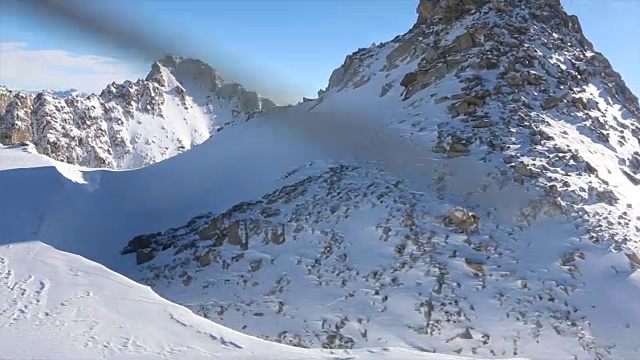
61,306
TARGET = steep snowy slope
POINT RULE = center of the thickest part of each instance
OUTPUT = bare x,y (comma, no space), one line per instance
58,305
179,105
501,223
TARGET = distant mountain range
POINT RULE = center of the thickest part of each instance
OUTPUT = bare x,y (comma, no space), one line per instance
180,103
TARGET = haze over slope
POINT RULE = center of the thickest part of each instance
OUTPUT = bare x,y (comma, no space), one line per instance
481,201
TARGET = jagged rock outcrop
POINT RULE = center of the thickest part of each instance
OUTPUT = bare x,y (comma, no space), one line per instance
15,126
179,104
527,217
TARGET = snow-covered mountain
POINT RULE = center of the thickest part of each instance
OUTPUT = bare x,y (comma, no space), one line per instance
466,188
179,104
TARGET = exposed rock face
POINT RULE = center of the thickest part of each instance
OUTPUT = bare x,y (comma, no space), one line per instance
448,10
426,9
179,104
510,87
16,124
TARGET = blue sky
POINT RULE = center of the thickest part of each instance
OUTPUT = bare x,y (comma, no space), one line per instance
293,45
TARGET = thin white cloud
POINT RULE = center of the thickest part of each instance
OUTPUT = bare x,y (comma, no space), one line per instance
34,69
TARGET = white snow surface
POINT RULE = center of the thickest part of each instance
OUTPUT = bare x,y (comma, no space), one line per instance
57,305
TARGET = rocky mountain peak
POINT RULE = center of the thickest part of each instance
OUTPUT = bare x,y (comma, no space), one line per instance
201,80
501,78
187,96
155,75
448,31
170,60
449,11
193,74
